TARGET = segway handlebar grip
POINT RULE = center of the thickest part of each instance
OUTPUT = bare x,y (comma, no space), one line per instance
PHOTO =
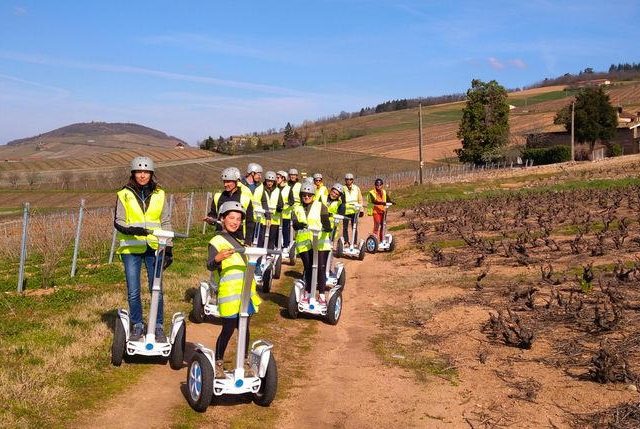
338,217
388,204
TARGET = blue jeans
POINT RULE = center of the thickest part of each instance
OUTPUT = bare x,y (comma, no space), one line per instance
286,232
132,267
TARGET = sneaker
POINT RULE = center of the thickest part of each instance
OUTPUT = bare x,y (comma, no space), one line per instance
160,337
321,299
248,371
305,297
219,370
137,332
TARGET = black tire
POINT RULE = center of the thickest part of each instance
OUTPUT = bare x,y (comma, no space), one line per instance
343,277
340,249
177,349
392,245
334,308
292,304
292,255
371,244
266,281
197,312
363,252
119,343
277,269
268,385
200,383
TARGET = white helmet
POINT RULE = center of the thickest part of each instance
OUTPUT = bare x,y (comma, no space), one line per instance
337,187
308,188
282,173
317,176
230,173
293,171
142,163
270,175
348,176
254,168
231,206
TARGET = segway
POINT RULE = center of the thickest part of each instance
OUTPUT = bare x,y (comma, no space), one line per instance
269,267
288,253
353,250
173,349
387,244
262,378
333,307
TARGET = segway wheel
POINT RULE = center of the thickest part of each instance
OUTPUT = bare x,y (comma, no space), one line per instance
371,244
392,245
334,308
363,251
197,312
200,383
268,385
342,280
266,281
177,349
292,255
119,343
277,269
340,249
292,304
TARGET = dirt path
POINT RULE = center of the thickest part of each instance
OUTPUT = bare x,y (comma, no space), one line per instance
348,386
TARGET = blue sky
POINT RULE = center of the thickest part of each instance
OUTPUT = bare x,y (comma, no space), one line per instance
197,68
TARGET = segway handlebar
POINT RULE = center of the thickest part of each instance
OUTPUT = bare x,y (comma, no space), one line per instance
257,251
338,217
163,233
388,204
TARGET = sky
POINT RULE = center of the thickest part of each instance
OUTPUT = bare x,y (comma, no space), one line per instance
194,68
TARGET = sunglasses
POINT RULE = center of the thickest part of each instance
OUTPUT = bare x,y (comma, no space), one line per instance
307,195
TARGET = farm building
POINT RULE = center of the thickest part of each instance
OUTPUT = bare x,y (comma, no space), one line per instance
627,136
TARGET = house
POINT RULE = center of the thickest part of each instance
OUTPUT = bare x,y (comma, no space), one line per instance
180,145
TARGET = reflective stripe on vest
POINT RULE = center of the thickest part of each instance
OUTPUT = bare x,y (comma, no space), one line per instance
230,278
350,197
135,216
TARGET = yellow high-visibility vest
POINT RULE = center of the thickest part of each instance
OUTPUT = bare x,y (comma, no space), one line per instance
272,202
230,278
296,192
286,209
350,197
304,237
373,196
135,216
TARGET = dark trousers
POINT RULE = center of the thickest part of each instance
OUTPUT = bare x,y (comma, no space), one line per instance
229,324
307,262
286,232
346,229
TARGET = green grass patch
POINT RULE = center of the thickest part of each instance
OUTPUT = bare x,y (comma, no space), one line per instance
398,227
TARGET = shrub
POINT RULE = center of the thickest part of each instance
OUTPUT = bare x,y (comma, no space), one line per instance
551,155
615,149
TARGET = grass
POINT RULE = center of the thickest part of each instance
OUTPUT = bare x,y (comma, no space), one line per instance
520,101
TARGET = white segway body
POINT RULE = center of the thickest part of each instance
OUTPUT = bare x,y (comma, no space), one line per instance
174,347
261,379
205,301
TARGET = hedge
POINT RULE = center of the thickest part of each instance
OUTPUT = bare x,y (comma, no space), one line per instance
551,155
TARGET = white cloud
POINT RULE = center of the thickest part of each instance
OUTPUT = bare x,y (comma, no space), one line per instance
495,63
19,10
517,63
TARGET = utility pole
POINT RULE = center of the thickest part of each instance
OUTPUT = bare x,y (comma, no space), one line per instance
573,114
420,139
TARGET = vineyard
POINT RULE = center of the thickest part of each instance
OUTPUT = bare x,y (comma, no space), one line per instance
558,272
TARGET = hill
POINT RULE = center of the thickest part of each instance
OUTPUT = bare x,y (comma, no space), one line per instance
88,139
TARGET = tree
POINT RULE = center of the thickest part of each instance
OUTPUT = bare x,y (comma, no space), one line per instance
595,117
484,128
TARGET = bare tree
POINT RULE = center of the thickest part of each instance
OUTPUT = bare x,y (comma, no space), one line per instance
33,177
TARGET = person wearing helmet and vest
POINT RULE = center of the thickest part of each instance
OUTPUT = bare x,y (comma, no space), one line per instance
275,203
352,195
295,185
312,214
288,201
253,182
229,267
335,204
321,190
377,198
231,192
140,209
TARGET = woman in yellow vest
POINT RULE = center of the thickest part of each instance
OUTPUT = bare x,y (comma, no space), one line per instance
141,208
377,198
275,204
312,214
229,268
321,192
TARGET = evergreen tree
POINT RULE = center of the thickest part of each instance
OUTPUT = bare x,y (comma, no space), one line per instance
484,128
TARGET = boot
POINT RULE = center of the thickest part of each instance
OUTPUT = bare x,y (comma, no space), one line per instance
220,370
